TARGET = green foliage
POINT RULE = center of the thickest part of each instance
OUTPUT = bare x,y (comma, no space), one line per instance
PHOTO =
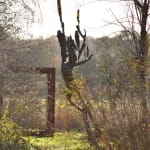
10,135
61,141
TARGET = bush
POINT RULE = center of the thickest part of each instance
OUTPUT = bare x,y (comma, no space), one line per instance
10,135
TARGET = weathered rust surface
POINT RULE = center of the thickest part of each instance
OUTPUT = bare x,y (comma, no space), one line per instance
50,110
51,101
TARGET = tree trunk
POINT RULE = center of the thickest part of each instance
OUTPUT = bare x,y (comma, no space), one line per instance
142,69
91,136
143,55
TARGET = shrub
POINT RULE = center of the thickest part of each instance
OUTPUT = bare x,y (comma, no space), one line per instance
10,135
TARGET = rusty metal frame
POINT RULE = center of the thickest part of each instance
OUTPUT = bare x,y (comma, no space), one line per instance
50,110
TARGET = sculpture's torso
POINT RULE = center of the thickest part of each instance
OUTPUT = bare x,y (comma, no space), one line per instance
67,73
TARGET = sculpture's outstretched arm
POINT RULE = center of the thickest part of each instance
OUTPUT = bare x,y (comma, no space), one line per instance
84,61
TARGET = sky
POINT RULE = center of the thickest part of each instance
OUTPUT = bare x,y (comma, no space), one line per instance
95,17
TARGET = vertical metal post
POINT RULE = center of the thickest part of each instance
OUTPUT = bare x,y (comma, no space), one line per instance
1,97
51,102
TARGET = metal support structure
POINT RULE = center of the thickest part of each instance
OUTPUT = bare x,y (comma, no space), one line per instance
51,100
50,109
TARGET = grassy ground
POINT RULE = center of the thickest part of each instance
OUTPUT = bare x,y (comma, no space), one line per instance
61,141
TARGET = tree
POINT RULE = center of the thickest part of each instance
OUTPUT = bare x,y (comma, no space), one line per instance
11,22
140,14
142,8
69,50
137,34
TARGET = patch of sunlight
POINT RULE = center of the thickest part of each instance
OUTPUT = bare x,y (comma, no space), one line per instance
61,141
